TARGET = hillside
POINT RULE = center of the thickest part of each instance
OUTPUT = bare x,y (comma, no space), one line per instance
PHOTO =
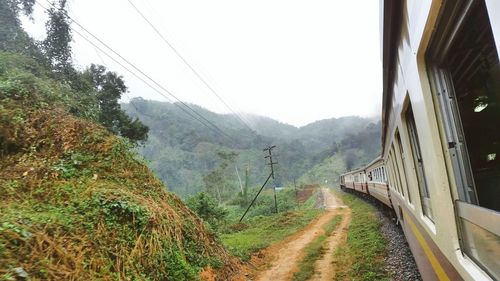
181,151
76,202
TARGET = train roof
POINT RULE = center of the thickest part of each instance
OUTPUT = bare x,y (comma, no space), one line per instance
390,27
378,159
354,171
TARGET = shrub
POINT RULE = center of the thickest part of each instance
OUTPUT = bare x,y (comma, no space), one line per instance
207,208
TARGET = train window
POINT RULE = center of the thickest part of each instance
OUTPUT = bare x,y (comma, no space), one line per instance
392,181
464,72
389,171
397,172
425,197
472,78
403,159
384,178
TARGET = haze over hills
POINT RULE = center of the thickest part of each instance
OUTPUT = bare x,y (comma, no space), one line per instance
182,151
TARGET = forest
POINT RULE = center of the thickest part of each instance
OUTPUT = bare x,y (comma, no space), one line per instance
189,156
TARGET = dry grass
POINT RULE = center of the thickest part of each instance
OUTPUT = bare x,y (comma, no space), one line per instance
76,205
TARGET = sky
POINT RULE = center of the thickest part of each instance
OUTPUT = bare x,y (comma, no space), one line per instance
294,61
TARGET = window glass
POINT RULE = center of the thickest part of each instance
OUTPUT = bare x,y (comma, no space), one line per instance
475,73
397,172
425,197
390,170
403,159
465,75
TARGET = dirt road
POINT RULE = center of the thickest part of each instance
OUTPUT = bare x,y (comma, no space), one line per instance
286,256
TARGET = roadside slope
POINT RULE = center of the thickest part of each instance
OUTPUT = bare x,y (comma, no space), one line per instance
76,204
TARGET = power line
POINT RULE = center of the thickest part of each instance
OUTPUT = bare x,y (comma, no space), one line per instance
142,73
188,64
125,92
151,86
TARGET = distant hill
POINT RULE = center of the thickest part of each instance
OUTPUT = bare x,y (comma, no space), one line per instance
182,151
269,127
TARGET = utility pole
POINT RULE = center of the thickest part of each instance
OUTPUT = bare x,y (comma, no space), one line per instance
271,163
247,171
271,175
295,188
239,179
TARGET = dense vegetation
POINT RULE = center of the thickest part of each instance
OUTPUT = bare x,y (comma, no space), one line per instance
93,93
76,202
183,152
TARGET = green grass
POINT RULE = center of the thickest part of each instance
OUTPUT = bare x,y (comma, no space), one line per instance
331,225
314,251
262,231
362,258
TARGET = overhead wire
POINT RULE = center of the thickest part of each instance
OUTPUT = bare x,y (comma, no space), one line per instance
203,120
125,92
188,64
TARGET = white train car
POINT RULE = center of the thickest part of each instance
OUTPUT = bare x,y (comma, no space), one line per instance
441,132
377,181
356,180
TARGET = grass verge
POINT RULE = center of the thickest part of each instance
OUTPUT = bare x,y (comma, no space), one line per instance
362,257
314,251
262,231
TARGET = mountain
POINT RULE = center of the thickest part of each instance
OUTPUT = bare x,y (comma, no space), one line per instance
266,126
182,151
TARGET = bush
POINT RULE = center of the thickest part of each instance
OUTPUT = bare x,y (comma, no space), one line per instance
207,208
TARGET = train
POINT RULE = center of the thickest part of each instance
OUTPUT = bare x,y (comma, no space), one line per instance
439,168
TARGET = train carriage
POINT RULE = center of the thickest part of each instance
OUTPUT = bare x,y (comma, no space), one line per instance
441,134
377,181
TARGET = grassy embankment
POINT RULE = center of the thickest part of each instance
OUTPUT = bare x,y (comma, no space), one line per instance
260,231
315,250
76,202
362,257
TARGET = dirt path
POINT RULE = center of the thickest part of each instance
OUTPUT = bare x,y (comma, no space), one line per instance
323,267
286,255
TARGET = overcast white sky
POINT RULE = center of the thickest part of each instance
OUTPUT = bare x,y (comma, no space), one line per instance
294,61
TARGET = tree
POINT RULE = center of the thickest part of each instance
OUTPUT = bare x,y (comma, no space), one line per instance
216,183
56,45
207,208
109,87
12,36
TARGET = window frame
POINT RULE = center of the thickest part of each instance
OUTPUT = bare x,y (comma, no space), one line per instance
453,15
418,163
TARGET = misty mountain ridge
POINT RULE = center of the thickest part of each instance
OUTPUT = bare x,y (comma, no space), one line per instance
182,151
262,125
